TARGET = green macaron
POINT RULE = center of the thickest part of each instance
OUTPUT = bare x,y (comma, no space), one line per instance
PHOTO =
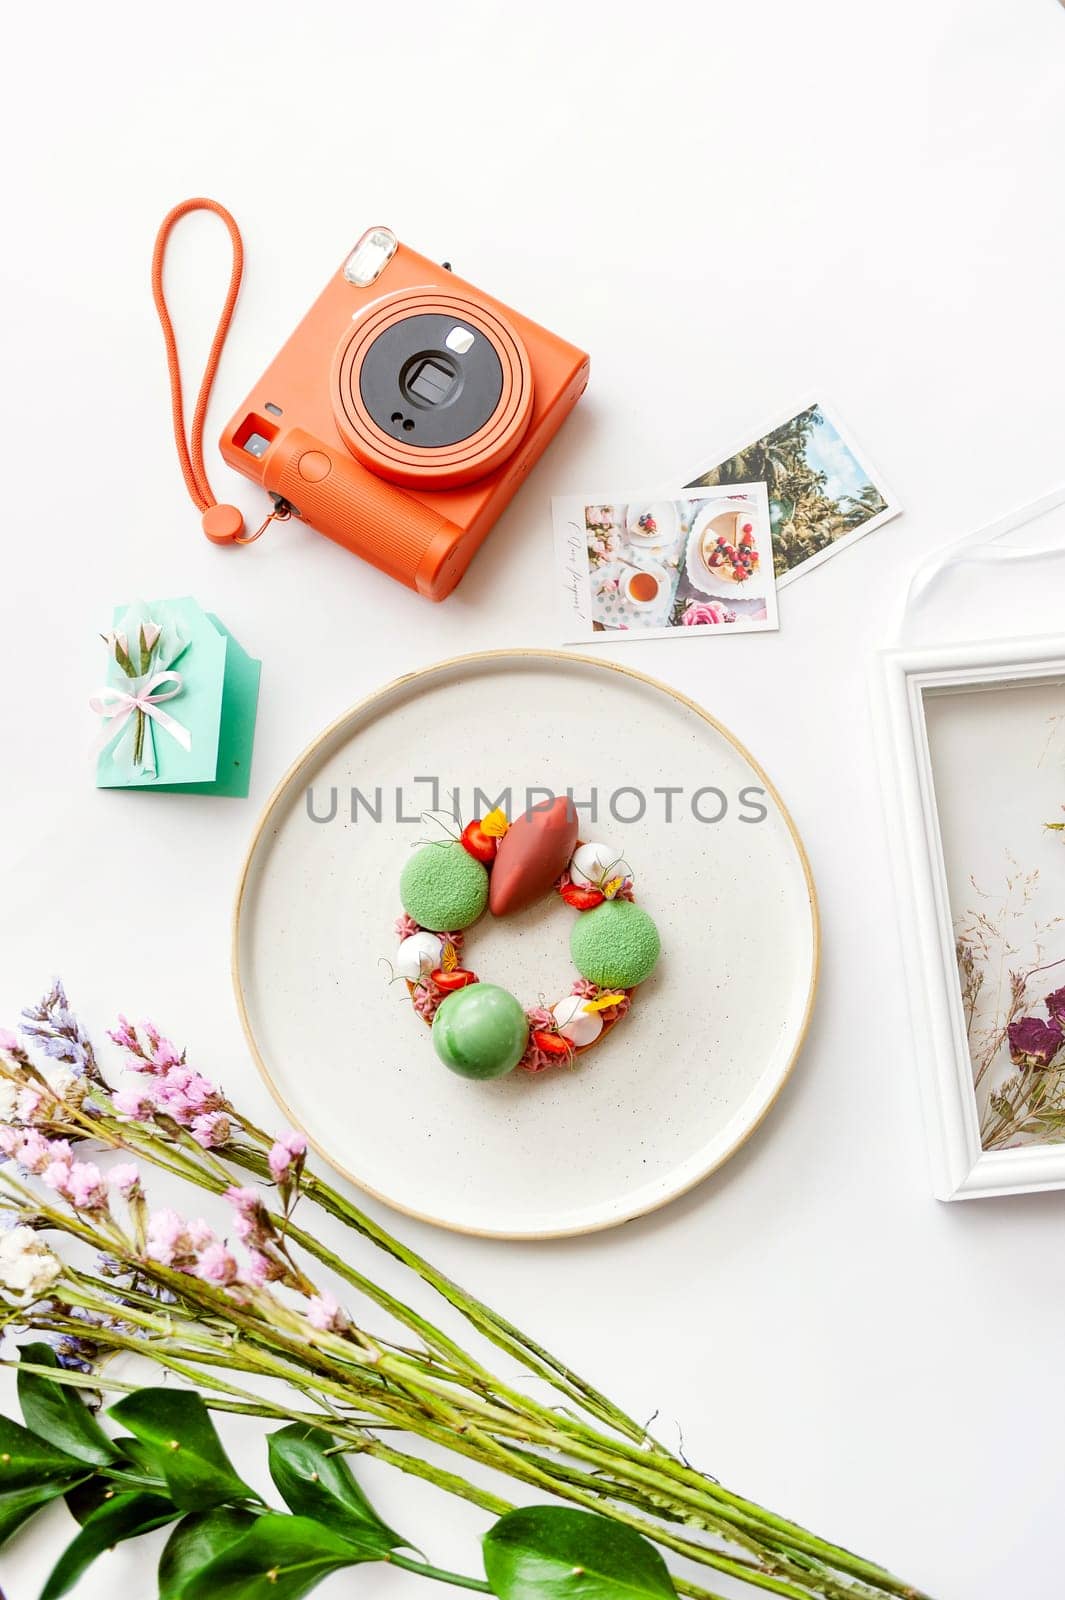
615,945
480,1031
443,887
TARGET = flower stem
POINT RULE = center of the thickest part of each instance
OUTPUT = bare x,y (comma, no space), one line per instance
425,1571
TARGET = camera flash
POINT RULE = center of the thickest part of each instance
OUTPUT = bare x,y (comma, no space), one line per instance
459,340
370,256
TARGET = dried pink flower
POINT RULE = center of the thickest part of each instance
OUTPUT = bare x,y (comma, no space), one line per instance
289,1148
134,1102
85,1187
262,1269
216,1264
325,1314
34,1153
126,1179
250,1220
406,926
124,1035
168,1238
211,1130
201,1234
56,1175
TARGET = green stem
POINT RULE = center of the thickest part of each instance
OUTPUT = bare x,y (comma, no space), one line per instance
452,1401
425,1571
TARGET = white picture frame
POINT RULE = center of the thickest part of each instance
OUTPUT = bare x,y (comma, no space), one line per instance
903,680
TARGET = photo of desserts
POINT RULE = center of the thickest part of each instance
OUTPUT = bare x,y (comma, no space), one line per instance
652,568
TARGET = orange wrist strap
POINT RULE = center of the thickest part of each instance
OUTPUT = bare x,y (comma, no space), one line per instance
223,524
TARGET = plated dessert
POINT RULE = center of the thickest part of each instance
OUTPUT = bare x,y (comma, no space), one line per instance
479,1029
728,547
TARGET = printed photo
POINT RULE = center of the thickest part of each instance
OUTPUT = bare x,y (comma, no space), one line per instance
822,494
678,564
1004,849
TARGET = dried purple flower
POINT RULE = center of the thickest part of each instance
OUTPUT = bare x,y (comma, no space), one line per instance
57,1032
1033,1042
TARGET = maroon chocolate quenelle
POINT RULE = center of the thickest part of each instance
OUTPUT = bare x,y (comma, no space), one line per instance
532,855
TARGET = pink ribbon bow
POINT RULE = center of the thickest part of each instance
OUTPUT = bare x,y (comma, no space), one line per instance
118,706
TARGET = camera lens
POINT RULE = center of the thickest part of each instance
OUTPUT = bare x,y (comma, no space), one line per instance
431,380
430,388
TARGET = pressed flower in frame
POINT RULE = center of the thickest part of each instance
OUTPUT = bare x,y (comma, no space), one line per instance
1033,1042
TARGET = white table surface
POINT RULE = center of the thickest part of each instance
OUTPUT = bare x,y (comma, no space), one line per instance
729,205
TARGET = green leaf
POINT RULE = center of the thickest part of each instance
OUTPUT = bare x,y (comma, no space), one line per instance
279,1558
142,1458
83,1498
553,1553
316,1482
26,1460
184,1447
20,1504
56,1412
124,1516
195,1541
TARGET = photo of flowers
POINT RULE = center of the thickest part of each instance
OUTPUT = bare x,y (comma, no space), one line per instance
651,568
998,758
822,493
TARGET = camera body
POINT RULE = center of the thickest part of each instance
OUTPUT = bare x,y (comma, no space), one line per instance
404,412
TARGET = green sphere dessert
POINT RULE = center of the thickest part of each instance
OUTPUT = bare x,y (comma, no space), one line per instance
480,1031
443,887
615,945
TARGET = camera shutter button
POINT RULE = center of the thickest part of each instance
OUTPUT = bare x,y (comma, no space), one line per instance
313,466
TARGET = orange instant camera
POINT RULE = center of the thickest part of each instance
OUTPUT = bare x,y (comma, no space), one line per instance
404,412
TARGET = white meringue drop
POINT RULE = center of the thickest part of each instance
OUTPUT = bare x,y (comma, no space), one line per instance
592,865
417,955
579,1026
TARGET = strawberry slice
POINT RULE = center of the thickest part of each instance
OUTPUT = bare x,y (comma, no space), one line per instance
457,978
552,1044
580,898
482,846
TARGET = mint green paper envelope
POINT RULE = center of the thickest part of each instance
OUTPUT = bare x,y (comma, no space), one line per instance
210,708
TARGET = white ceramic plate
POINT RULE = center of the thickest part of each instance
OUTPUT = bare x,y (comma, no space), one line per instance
713,583
665,514
677,1086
